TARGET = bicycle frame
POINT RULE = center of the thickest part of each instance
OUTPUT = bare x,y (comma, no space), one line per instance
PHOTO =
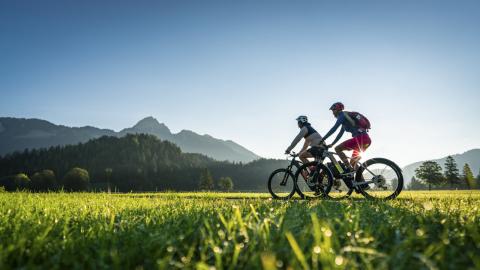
293,162
331,156
318,175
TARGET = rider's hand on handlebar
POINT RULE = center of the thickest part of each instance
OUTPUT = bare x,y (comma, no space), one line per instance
323,144
287,152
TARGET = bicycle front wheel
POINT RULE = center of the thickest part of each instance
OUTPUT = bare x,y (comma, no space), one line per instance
281,184
383,179
313,180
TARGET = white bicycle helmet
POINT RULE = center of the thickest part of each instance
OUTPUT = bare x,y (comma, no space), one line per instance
302,119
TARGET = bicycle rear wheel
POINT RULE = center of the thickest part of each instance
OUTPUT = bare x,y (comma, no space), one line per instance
281,184
313,180
384,178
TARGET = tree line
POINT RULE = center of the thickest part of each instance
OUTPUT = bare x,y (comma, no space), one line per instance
431,176
76,179
135,162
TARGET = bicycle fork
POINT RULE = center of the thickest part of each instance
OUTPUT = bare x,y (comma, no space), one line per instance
285,178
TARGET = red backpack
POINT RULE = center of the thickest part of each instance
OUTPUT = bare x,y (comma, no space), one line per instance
359,120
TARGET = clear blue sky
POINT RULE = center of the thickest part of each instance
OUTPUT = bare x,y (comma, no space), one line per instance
243,70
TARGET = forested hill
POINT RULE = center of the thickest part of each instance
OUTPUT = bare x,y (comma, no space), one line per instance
137,162
17,134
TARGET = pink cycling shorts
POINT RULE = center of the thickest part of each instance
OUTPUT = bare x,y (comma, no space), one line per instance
358,144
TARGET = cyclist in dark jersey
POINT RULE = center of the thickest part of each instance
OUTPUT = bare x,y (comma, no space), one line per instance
312,139
360,141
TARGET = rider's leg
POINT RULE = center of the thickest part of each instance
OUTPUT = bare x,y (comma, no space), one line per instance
305,156
362,143
354,159
339,149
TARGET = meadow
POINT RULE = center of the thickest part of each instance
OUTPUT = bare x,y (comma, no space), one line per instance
418,230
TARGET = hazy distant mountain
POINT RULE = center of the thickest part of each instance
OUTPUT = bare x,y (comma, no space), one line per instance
18,134
472,157
149,125
191,142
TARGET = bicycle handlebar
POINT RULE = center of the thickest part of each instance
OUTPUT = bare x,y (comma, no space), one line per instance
292,154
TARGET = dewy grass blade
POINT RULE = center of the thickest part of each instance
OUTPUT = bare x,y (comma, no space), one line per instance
432,230
297,250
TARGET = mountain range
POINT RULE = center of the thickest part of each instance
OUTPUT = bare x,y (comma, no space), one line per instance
18,134
471,157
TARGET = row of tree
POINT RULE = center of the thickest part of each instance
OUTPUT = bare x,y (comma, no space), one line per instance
429,175
76,179
138,163
206,182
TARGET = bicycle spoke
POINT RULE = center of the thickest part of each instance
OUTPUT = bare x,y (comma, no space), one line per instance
386,183
383,170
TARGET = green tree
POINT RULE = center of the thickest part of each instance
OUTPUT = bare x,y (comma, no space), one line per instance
416,185
452,175
478,179
468,176
21,181
225,183
15,182
431,173
43,181
206,180
77,179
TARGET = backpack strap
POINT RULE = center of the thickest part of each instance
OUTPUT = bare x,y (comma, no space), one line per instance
349,119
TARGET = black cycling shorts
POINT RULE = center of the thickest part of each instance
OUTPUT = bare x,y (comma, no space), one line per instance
315,151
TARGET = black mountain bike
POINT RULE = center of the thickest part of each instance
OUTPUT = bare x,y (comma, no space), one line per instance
376,178
283,183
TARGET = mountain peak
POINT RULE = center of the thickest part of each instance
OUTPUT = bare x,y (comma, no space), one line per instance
150,125
149,121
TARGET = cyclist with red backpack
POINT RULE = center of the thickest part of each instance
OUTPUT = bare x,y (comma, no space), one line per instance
352,122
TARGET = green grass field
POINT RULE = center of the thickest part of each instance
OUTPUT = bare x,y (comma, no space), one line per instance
419,230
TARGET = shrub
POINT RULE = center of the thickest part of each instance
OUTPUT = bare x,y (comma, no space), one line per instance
77,179
13,182
21,181
43,181
225,183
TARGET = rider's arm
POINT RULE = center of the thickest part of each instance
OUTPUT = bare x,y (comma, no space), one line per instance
339,122
340,134
300,135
